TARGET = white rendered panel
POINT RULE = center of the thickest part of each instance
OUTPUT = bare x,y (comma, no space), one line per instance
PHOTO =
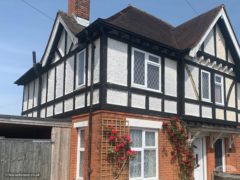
170,77
43,113
59,80
231,102
231,116
34,113
189,86
68,105
117,97
206,112
209,46
96,62
220,43
61,44
59,108
25,98
44,88
192,109
155,104
95,97
219,114
69,77
51,79
139,101
30,97
49,111
170,106
80,101
36,91
117,57
69,42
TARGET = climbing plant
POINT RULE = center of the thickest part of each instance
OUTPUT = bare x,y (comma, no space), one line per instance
182,153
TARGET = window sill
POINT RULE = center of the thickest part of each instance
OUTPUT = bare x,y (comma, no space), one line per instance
145,88
80,87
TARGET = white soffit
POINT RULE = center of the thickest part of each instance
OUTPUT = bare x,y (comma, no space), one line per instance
53,36
222,14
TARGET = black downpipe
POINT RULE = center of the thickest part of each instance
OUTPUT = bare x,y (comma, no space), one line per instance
91,111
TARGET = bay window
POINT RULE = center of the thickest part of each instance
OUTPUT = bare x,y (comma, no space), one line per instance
145,164
146,70
219,89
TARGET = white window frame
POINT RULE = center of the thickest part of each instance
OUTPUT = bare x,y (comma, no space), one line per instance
220,84
209,81
79,150
77,71
144,130
146,62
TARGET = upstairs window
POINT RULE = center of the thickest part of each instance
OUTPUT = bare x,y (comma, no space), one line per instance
80,70
219,89
205,86
146,70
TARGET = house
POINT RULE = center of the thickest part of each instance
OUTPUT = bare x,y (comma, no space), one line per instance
135,71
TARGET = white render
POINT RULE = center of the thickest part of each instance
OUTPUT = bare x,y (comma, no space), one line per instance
36,91
209,44
80,101
50,111
231,116
69,42
117,61
69,77
44,88
170,106
189,87
34,113
59,80
117,97
25,98
170,77
192,109
155,104
68,105
30,95
143,123
206,112
95,97
61,44
58,108
220,44
96,62
231,102
219,114
139,101
43,113
51,79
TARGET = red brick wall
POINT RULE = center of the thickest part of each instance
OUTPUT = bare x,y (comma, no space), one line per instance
82,11
167,171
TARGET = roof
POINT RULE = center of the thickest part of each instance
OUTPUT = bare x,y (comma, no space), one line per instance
182,37
71,23
49,122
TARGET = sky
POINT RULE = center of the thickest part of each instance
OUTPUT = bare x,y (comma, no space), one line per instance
23,29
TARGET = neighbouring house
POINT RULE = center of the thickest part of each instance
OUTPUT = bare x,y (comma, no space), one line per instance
133,71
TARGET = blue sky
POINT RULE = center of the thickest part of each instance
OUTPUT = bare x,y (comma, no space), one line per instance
24,30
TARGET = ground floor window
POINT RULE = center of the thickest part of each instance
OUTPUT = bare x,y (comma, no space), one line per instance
145,164
80,154
219,155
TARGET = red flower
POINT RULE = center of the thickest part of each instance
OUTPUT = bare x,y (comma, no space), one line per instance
112,138
123,158
128,138
116,149
114,131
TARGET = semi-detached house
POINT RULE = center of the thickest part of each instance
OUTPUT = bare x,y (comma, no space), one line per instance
135,71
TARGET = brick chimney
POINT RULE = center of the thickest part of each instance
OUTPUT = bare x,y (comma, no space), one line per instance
80,10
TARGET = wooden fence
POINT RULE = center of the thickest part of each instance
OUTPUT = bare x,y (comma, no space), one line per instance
22,159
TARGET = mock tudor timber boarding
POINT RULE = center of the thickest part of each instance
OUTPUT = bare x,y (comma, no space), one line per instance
141,65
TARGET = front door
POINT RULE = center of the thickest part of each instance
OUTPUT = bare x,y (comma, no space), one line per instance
219,154
199,163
